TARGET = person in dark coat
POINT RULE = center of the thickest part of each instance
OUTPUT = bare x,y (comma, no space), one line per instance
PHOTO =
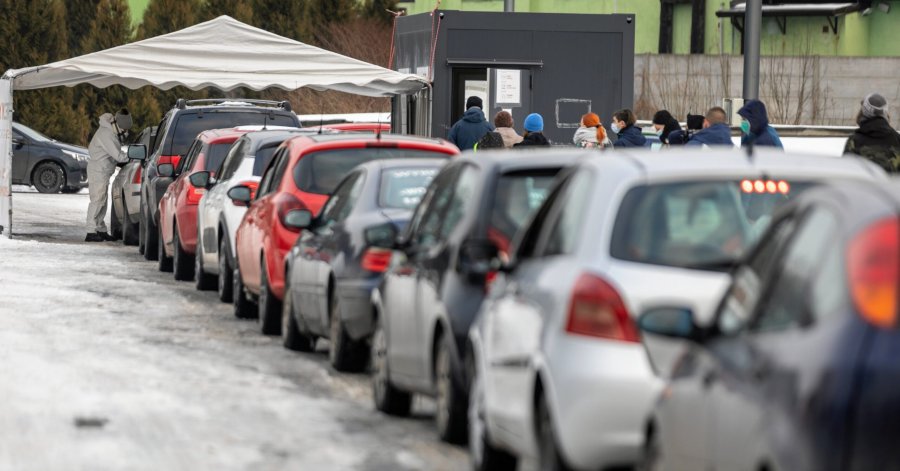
875,139
715,132
628,134
471,127
755,126
665,124
534,132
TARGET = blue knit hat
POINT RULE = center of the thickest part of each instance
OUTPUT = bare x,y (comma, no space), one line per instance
534,123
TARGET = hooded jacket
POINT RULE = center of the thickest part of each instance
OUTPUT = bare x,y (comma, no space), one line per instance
877,141
468,130
761,134
631,136
105,148
534,139
718,134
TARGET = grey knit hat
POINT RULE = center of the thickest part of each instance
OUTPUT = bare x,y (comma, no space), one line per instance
874,105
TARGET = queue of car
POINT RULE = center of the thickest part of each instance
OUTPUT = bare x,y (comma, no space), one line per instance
676,310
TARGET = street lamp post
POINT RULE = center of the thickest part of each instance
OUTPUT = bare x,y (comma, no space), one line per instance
509,5
752,21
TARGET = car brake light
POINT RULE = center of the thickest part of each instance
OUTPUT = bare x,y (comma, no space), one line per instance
137,175
873,257
765,186
597,310
376,259
194,194
169,159
285,203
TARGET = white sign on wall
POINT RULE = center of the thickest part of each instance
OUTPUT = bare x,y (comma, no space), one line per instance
509,87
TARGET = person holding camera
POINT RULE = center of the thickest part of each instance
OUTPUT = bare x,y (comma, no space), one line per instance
715,131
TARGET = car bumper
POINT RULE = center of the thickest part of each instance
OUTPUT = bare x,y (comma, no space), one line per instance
356,306
601,394
77,177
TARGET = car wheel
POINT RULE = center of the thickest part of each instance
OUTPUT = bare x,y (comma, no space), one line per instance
483,454
151,234
548,452
164,262
451,413
243,307
183,262
269,306
290,331
225,274
115,226
388,399
48,177
69,190
203,281
344,354
142,244
129,229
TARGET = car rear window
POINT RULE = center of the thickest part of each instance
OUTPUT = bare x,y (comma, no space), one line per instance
404,187
263,157
188,124
517,196
701,225
215,155
320,172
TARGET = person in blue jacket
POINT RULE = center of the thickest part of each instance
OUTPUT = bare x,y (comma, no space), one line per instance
755,126
715,132
628,134
471,127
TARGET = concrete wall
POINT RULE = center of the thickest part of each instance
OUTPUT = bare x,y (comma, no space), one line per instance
826,90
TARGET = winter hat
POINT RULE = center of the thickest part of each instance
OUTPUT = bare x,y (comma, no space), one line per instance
123,119
474,101
503,120
534,123
874,105
590,120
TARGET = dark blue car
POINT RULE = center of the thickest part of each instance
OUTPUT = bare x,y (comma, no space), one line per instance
341,255
800,369
48,165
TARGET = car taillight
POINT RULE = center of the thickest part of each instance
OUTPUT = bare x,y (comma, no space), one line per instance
253,185
194,194
137,175
597,310
376,259
169,159
285,203
873,257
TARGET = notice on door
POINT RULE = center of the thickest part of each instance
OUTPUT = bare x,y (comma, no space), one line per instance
509,87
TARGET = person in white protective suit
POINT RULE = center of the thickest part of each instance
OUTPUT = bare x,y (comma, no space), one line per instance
105,150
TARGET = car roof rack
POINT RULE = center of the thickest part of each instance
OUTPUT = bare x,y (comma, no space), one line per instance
181,103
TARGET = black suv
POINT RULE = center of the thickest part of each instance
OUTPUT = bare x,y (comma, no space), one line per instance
177,131
47,165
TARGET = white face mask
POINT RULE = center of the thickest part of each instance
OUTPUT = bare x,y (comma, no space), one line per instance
614,127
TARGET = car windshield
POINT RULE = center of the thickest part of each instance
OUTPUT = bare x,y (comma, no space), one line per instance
700,225
263,157
31,133
215,156
517,196
320,172
404,187
188,125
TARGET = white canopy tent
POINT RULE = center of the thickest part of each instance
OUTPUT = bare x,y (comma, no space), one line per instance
222,53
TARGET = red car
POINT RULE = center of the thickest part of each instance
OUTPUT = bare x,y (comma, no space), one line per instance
178,206
301,175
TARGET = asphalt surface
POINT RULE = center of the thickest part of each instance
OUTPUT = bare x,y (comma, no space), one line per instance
108,363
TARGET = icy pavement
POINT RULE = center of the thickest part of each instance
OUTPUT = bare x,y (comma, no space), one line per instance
108,364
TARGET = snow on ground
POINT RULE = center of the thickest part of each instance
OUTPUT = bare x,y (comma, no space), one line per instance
110,364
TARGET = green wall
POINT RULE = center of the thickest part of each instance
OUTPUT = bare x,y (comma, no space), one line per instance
137,8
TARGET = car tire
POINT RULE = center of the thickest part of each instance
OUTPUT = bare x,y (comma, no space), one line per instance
388,399
226,275
344,354
549,458
164,262
202,281
269,305
243,307
452,410
129,230
115,226
290,331
69,190
484,456
151,234
142,245
182,262
48,177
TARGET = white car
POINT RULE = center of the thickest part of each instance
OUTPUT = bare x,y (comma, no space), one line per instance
217,217
559,369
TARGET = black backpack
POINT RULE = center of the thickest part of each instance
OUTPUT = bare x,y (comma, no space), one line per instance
491,140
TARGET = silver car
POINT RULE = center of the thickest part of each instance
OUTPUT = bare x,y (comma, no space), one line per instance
560,370
125,193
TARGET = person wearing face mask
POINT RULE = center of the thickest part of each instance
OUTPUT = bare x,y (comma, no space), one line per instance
665,124
755,126
628,134
591,134
105,150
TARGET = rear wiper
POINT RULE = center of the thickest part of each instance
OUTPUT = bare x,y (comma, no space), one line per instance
725,265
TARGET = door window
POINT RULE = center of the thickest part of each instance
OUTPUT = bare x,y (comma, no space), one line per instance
269,180
565,225
426,221
463,194
190,157
344,198
528,246
233,159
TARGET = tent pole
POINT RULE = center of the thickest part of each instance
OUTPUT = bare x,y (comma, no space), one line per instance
6,117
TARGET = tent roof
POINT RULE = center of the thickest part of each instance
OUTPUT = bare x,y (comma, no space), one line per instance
222,53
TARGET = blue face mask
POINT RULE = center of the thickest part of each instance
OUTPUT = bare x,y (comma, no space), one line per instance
615,128
745,126
659,132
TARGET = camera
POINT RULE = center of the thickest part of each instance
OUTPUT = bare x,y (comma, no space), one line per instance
695,122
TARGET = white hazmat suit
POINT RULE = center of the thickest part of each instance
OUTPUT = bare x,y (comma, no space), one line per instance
105,150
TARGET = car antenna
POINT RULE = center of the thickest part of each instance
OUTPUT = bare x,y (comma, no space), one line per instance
265,121
378,129
321,117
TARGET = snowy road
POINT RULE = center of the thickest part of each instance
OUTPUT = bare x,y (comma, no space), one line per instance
107,363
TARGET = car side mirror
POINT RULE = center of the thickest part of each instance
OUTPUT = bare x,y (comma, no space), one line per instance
671,322
382,235
18,143
137,152
240,195
298,218
200,179
165,170
477,257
